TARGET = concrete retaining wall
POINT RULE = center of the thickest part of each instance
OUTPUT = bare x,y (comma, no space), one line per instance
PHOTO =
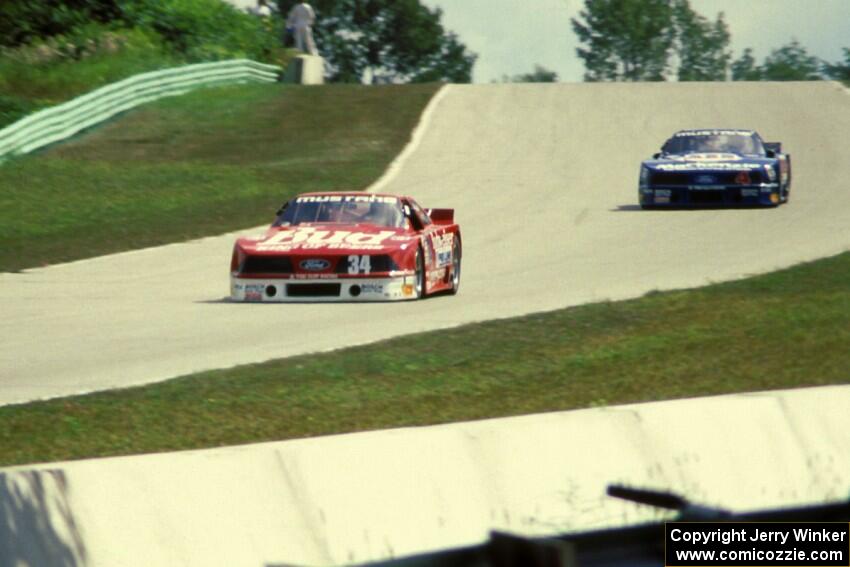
368,496
305,70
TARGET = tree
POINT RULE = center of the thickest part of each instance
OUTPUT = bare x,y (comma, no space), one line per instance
387,41
839,71
22,21
788,63
702,47
745,69
202,30
791,63
539,75
625,40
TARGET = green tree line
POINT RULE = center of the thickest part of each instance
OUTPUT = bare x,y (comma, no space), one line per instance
653,40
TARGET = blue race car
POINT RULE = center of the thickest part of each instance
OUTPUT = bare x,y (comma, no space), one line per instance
714,168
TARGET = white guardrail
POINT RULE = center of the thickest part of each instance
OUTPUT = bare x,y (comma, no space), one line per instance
63,121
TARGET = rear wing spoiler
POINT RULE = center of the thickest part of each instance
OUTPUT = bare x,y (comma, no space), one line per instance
441,216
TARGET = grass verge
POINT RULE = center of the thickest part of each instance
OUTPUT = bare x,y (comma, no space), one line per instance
205,163
782,330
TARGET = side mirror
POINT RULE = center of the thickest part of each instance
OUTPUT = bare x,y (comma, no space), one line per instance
656,155
772,148
411,216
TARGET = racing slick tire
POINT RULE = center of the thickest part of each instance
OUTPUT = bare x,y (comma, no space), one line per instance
456,259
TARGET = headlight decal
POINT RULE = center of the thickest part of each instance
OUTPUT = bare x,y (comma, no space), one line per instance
771,173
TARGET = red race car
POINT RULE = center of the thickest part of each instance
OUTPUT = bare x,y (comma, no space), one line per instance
353,246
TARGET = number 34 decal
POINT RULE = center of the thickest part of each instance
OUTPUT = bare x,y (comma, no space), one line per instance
359,264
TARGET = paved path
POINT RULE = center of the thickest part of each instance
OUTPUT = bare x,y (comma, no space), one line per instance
543,178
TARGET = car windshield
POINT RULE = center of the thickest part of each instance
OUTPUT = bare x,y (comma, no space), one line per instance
346,209
714,142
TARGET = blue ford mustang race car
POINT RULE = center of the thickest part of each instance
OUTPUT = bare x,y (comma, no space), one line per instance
711,168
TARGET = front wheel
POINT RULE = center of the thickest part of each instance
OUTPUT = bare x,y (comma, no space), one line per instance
455,267
419,290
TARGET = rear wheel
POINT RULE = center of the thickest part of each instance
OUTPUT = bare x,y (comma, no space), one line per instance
455,266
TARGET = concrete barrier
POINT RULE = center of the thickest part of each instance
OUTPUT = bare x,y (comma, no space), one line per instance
362,497
305,70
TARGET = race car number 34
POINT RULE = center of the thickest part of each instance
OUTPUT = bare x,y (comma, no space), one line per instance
359,264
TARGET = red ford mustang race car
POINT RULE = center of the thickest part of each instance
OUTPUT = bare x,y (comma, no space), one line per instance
349,247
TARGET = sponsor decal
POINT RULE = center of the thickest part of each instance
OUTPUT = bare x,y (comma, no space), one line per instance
749,192
402,238
372,288
688,133
314,264
698,166
705,179
346,199
254,288
660,199
291,247
436,275
312,238
429,252
253,295
711,157
314,276
443,248
662,193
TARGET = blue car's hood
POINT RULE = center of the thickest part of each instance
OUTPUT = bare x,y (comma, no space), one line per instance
707,162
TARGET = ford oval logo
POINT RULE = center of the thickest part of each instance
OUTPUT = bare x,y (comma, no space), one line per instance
314,265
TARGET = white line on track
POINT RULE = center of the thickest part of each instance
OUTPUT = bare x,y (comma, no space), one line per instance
416,138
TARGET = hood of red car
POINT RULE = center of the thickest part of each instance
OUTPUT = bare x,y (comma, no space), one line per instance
327,238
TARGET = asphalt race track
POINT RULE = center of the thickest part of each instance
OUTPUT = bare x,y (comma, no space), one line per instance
543,179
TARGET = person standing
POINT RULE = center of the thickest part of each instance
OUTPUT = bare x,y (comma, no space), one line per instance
300,20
